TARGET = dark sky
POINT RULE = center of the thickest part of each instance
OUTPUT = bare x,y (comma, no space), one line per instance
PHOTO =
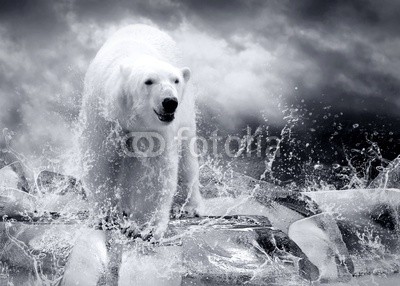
250,60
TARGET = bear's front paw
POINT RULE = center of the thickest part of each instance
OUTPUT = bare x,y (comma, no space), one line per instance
179,212
132,231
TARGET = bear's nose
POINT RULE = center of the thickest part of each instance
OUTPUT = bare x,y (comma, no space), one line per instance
170,104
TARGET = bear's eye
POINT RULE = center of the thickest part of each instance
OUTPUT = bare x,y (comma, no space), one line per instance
148,82
177,81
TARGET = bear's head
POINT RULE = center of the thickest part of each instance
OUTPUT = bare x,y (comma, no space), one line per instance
150,92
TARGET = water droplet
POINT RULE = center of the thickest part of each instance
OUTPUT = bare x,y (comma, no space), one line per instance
318,167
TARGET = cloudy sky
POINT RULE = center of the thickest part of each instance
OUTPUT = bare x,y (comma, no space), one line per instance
250,59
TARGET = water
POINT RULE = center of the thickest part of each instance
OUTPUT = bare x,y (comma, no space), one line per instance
281,237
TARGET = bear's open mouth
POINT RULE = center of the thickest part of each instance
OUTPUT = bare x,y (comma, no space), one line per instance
166,117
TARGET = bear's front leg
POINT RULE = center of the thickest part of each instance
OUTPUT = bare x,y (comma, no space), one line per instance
148,185
188,200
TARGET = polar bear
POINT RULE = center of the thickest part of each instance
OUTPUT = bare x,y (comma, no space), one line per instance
137,91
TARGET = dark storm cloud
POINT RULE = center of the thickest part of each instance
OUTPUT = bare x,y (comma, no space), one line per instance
164,13
224,17
377,16
353,71
221,16
34,21
363,63
313,11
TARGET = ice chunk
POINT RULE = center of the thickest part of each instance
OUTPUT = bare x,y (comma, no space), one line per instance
320,239
22,176
280,216
88,259
228,251
389,177
51,182
231,183
154,266
53,193
238,249
22,206
15,203
9,178
61,193
369,222
229,190
35,252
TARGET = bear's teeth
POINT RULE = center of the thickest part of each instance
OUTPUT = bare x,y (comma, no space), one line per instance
167,117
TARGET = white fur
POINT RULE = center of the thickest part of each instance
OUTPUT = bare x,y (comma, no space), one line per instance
116,101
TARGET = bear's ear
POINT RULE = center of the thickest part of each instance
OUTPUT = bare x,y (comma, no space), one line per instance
186,74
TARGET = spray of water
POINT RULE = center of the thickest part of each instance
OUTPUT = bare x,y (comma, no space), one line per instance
356,173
